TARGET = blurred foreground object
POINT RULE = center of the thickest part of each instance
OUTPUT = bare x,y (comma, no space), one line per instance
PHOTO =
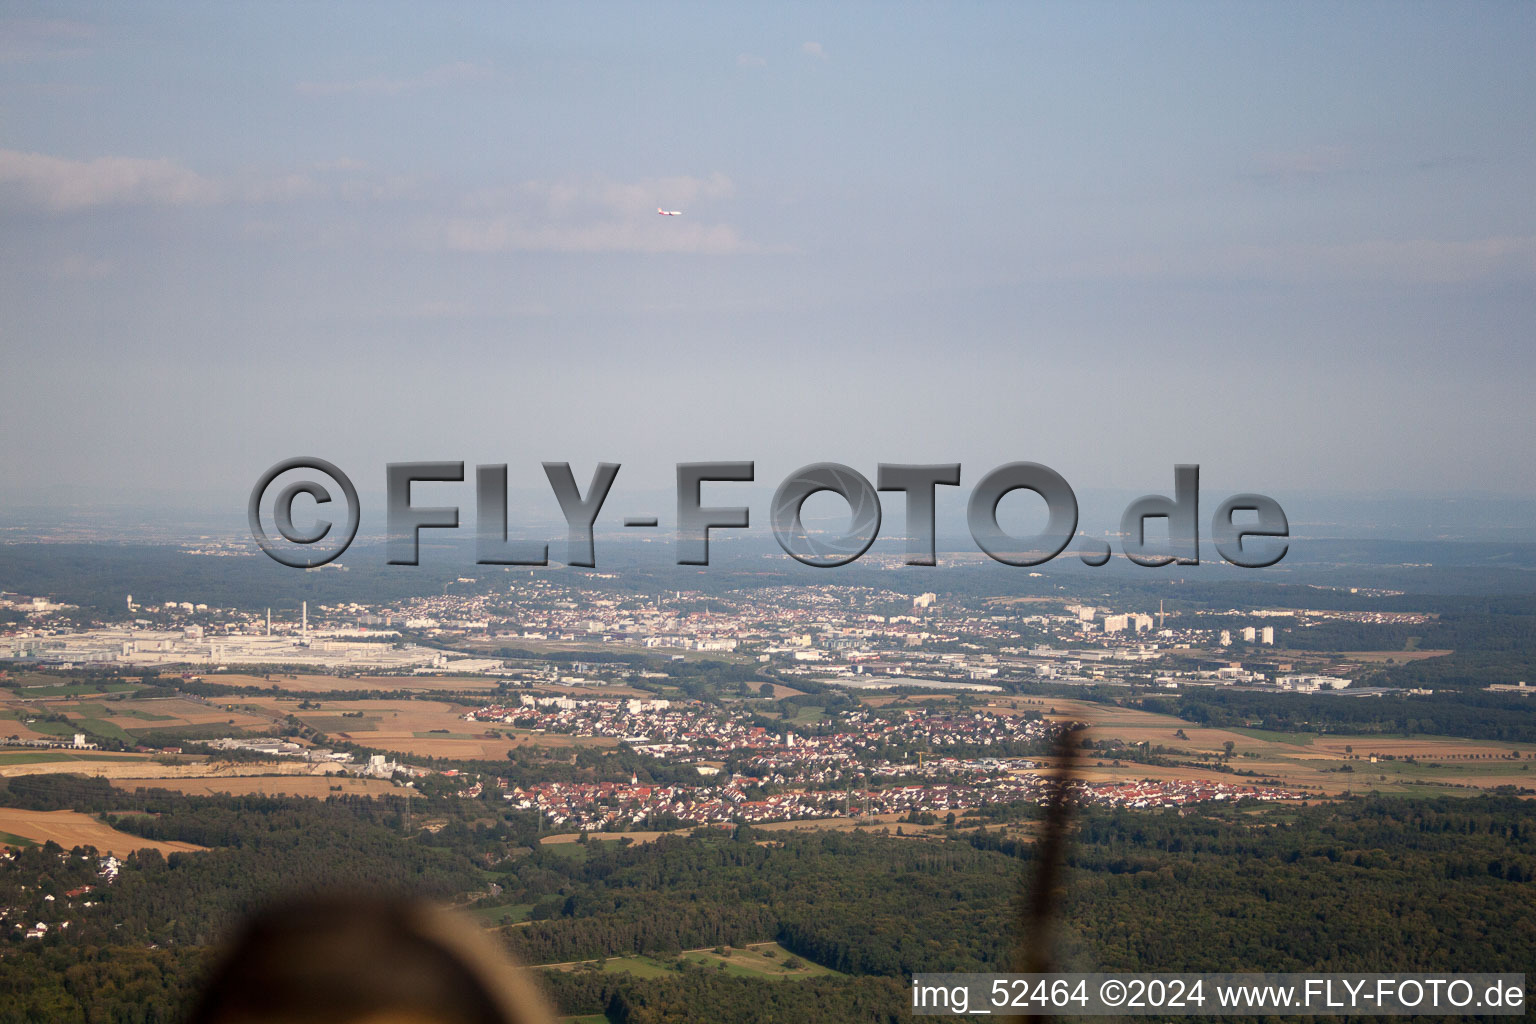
1041,905
366,961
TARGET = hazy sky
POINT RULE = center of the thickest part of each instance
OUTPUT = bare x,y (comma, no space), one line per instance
1293,243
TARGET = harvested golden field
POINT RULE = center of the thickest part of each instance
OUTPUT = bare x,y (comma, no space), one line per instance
1309,761
71,828
1097,769
17,727
131,766
267,785
16,761
1134,726
425,728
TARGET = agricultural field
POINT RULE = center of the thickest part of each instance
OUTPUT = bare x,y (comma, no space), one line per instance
33,685
14,761
318,786
424,728
876,699
607,689
122,717
779,690
133,769
71,828
25,757
316,683
24,723
1445,765
499,916
489,647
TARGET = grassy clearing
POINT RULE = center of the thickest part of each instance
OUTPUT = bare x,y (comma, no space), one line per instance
760,960
494,917
567,844
728,965
639,966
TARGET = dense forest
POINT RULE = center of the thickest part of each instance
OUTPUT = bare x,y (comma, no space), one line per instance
1486,716
1379,884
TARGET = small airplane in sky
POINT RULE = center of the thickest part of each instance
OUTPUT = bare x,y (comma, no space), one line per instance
669,213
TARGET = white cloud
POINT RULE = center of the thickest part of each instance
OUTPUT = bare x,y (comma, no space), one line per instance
506,234
750,60
574,215
60,184
576,198
591,215
457,73
813,49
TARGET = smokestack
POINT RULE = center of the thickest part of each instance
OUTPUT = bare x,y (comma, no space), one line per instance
304,620
269,622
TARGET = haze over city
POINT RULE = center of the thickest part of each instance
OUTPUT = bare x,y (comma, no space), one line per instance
1295,245
445,573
